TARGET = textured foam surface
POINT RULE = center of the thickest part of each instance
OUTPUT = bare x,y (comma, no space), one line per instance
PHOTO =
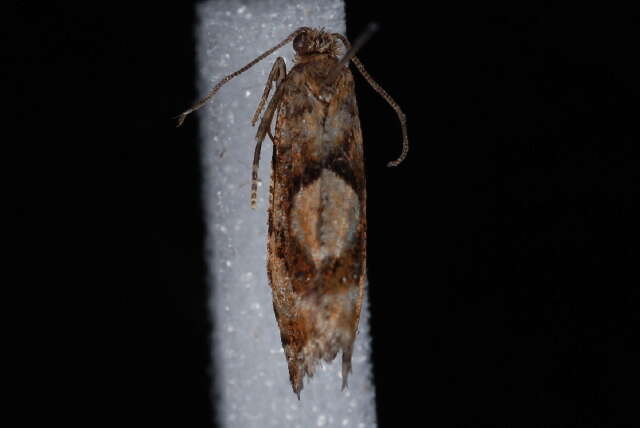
253,387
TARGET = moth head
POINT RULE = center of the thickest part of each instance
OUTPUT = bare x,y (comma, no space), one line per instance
310,41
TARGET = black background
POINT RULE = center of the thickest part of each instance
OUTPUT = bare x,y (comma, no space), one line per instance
502,252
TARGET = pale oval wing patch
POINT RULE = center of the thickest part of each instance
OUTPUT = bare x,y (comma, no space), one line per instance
324,216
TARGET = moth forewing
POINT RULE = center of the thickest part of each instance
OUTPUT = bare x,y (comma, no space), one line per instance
317,218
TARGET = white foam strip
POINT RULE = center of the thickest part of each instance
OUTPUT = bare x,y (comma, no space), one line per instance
253,387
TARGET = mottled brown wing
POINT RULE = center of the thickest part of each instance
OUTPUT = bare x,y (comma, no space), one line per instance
317,219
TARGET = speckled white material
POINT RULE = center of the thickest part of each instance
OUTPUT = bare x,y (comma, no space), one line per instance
253,388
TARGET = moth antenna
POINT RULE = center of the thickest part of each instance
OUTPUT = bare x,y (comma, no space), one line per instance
363,38
182,116
376,87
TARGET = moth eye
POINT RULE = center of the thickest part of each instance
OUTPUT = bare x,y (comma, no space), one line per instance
300,42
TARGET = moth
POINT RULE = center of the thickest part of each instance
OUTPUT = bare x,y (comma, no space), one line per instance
316,259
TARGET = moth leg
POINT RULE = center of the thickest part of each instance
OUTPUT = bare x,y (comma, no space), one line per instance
263,130
273,139
278,73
